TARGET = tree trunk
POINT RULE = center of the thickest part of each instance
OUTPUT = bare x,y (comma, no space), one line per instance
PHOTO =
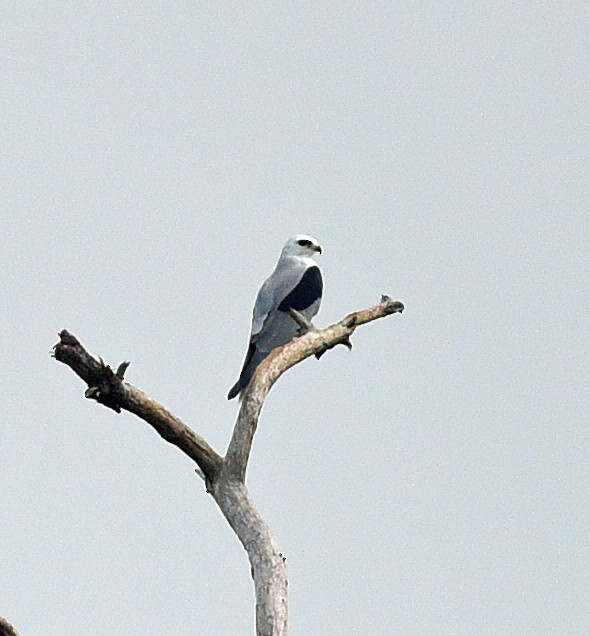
225,477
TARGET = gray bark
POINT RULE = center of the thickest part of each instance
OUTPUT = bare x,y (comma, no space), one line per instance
267,564
225,477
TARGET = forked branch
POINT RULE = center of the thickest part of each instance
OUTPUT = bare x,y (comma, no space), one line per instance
109,388
225,476
314,342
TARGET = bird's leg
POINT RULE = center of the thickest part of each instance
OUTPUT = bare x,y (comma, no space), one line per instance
304,324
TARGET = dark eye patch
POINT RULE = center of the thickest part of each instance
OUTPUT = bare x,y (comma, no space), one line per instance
304,243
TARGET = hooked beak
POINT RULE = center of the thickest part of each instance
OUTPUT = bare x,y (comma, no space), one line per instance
318,248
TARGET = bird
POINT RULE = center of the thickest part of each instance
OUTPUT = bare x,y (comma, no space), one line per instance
296,283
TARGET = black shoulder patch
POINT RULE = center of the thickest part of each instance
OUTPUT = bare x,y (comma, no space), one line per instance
307,291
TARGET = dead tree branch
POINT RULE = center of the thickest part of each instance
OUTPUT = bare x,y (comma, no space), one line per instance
109,388
314,342
225,476
6,629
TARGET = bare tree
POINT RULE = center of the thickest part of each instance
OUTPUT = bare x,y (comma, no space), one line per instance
225,477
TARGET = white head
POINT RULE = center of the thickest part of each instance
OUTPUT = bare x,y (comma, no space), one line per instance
301,245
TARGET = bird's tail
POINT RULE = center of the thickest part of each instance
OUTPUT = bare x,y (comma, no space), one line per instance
253,358
234,391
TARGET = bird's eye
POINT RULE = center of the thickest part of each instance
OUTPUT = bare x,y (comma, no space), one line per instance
304,243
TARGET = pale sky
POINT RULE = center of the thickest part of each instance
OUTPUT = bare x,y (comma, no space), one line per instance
435,480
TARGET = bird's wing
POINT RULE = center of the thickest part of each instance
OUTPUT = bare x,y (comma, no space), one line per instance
306,293
298,286
275,289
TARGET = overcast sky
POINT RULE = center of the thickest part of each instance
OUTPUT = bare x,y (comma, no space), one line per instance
154,160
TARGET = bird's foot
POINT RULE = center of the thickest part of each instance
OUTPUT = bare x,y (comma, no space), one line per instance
305,325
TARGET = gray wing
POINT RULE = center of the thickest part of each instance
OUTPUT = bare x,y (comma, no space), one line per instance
272,325
273,291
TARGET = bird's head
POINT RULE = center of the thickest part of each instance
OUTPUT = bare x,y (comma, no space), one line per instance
301,245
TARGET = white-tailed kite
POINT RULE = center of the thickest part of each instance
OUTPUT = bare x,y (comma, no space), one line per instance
297,284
